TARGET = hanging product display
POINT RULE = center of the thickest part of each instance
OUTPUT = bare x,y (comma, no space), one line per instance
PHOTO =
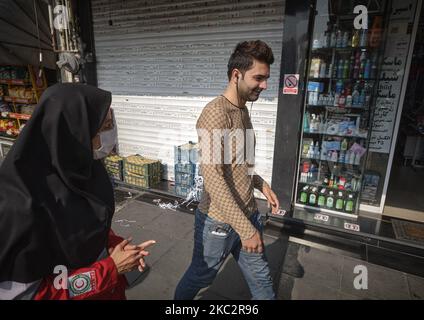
20,90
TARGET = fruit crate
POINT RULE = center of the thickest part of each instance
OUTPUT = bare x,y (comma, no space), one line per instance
141,166
141,181
114,166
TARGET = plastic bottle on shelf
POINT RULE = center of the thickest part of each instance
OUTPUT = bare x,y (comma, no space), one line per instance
367,70
346,69
348,99
334,156
340,68
357,65
362,65
355,95
339,201
343,145
304,195
321,198
349,207
329,203
333,38
363,40
306,122
310,153
345,39
342,99
311,97
362,98
357,160
339,38
324,150
316,150
313,197
352,157
355,39
322,70
342,157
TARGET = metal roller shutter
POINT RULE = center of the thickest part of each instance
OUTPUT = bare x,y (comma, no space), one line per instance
163,60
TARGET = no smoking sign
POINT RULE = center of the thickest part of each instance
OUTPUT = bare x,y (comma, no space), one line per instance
291,84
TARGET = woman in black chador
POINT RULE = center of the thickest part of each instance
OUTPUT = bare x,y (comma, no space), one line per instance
57,203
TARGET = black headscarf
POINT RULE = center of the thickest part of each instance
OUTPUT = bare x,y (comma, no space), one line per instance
56,202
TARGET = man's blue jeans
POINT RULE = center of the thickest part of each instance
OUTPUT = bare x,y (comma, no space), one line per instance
213,242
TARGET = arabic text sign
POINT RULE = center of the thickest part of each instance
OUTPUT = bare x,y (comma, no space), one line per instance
390,82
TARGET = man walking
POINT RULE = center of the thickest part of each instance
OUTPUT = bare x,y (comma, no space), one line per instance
227,220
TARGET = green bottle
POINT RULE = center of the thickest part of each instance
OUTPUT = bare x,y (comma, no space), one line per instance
339,201
321,198
349,203
304,195
330,200
313,197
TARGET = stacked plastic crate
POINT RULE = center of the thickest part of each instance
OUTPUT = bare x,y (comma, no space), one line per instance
141,172
114,167
188,178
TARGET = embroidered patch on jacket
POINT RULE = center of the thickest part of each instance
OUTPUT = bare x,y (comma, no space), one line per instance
81,283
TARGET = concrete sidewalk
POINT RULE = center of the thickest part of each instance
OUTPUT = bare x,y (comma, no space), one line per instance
299,271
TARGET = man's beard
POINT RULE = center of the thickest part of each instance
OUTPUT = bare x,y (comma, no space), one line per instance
254,95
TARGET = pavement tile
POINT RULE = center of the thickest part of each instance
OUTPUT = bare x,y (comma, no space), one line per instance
139,212
321,267
383,283
300,289
174,223
416,287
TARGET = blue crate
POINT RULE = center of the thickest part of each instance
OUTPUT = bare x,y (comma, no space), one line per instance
183,192
184,179
188,168
186,153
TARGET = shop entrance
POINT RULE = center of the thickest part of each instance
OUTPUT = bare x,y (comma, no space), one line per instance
405,193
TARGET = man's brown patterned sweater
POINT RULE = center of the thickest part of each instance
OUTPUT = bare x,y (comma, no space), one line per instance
228,185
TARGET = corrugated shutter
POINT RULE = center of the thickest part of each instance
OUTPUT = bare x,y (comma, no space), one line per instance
164,60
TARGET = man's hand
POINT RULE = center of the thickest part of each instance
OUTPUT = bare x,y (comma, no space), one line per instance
254,244
272,198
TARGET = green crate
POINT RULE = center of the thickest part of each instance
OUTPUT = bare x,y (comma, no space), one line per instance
114,166
142,166
141,181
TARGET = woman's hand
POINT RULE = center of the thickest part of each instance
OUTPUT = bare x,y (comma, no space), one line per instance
126,260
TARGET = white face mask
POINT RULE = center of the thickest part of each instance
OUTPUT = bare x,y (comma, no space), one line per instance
108,140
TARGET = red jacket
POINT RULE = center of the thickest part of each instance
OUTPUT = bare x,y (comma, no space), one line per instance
99,281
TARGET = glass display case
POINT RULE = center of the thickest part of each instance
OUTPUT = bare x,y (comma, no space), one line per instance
345,58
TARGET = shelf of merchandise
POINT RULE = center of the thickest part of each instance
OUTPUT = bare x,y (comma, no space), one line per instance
337,135
326,112
332,162
13,101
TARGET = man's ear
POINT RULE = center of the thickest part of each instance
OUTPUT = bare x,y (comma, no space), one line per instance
237,75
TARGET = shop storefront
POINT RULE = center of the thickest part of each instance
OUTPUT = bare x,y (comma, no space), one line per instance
164,61
335,151
40,45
